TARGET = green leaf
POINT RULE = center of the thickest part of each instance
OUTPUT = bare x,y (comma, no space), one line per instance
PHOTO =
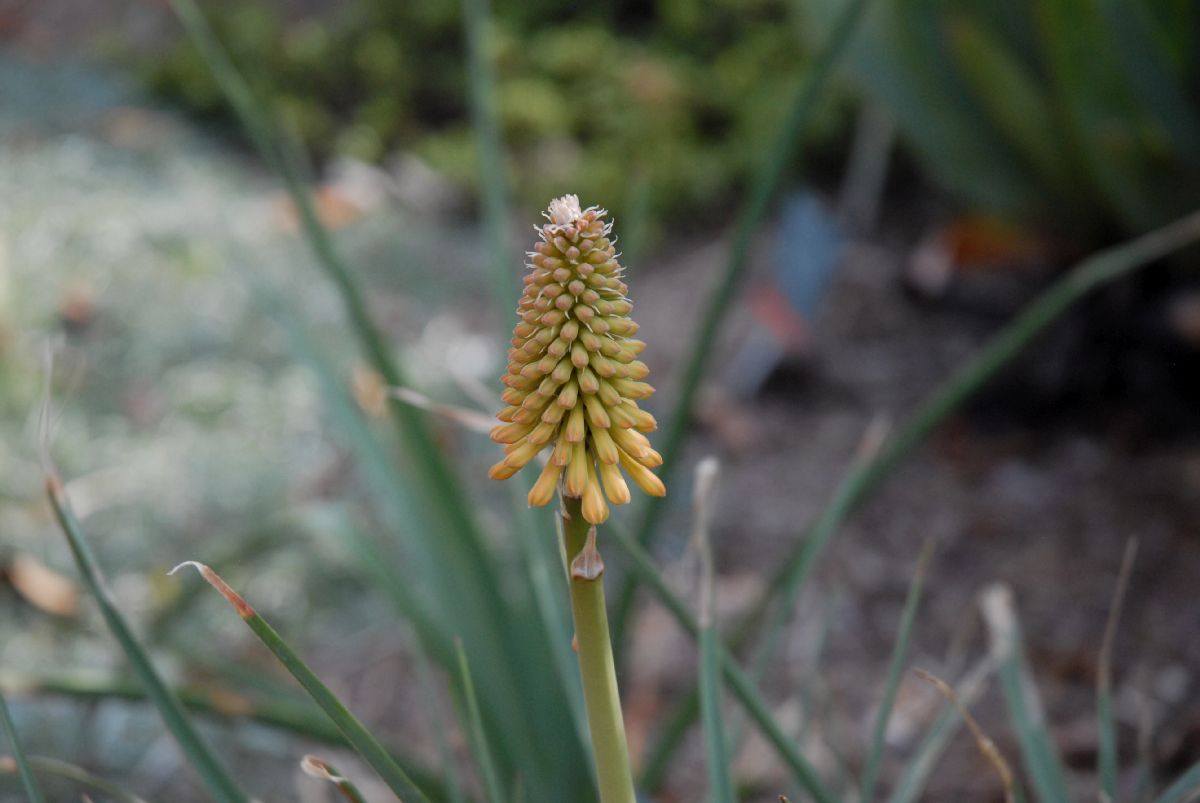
1184,788
763,188
322,770
195,749
28,779
919,767
640,563
895,671
1038,752
70,772
486,128
1012,97
865,475
1106,721
720,781
356,734
479,742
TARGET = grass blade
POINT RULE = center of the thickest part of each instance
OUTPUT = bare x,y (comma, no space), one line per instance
490,152
437,723
479,743
765,185
70,772
356,734
458,604
297,716
720,784
466,572
895,671
428,463
1098,270
20,762
324,771
916,774
194,748
1092,273
639,562
1184,789
1021,697
1104,707
986,746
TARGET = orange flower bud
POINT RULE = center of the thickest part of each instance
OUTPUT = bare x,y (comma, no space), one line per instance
573,381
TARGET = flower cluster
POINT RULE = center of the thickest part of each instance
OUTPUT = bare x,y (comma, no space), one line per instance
573,378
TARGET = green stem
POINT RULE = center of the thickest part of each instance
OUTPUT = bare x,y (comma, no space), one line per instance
599,673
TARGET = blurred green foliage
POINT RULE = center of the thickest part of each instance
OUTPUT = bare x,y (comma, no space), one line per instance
1079,116
674,99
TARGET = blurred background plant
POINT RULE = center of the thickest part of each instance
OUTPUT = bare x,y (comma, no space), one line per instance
671,101
1079,119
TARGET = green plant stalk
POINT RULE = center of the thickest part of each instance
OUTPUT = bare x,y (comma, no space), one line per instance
355,732
28,779
763,189
596,666
198,754
1092,273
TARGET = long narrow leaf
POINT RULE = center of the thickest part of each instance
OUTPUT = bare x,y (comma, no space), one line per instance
479,743
933,745
1092,273
299,717
70,772
1106,722
437,723
356,734
465,572
195,749
1038,753
987,747
324,771
640,563
429,468
457,604
28,779
1184,789
720,782
895,672
490,152
765,185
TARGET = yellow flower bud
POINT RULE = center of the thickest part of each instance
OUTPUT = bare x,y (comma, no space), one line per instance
573,381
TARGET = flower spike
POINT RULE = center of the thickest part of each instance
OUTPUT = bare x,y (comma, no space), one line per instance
573,381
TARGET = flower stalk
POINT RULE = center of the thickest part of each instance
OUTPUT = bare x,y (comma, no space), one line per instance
596,666
572,388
